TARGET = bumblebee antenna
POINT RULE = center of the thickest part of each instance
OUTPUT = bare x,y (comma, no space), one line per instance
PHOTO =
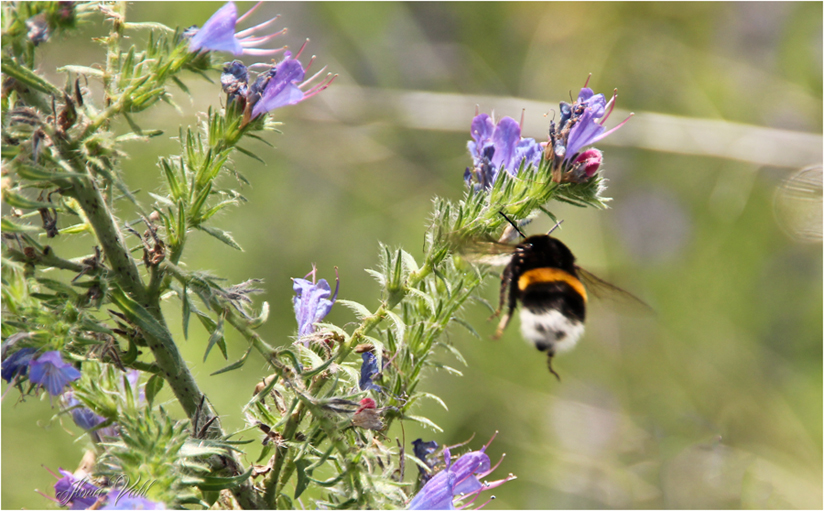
557,224
513,224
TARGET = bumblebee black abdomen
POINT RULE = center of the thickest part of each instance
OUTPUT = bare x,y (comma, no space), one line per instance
557,295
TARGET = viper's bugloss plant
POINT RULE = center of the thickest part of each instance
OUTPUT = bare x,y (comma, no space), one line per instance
92,330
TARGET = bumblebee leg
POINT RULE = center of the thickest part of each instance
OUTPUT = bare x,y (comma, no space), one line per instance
549,365
502,325
506,278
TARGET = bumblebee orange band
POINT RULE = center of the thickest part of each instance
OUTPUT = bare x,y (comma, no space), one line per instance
547,275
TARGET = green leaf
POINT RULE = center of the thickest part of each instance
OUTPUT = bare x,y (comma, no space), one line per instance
400,326
18,201
138,315
466,325
409,261
428,300
378,276
424,421
9,226
216,338
28,77
171,179
433,397
81,70
142,137
211,483
182,85
250,154
359,310
153,387
163,201
151,25
303,479
223,236
199,201
38,173
187,309
234,365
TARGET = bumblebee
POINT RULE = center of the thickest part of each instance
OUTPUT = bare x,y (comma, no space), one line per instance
542,275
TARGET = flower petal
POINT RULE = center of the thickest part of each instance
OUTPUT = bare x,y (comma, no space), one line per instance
436,494
482,128
282,89
506,136
368,370
218,33
17,363
51,372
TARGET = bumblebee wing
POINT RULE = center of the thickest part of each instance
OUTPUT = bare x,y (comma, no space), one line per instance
491,253
601,289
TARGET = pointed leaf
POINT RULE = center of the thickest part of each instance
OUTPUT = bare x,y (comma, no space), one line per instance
359,310
153,387
424,421
235,365
400,326
221,235
303,479
211,483
250,154
216,338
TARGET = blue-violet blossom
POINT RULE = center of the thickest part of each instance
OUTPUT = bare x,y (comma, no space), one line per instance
422,450
17,364
285,84
498,146
312,302
86,419
218,34
581,125
49,371
458,481
75,493
368,371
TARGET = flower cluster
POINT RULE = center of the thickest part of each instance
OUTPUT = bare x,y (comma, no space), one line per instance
581,125
280,85
497,147
458,480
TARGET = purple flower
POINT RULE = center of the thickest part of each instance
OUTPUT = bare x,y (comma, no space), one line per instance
75,493
51,372
498,146
457,480
218,34
86,419
368,371
118,499
422,451
581,125
312,302
17,364
284,84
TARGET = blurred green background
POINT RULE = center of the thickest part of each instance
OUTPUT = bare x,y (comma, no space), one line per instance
713,402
